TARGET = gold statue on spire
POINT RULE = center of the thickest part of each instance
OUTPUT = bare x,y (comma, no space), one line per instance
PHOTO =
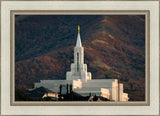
78,28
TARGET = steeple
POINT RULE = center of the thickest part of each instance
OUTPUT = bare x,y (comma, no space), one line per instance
78,68
78,43
78,50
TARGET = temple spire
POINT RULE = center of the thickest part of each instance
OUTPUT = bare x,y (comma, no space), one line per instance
78,44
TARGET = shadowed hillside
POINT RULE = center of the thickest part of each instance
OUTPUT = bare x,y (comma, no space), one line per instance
114,47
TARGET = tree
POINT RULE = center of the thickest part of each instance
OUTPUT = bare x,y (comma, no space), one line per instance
67,89
71,92
60,89
70,88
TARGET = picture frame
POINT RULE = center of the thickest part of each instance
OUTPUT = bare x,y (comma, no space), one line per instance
10,8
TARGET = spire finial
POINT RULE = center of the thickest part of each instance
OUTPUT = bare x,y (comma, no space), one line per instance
78,28
78,44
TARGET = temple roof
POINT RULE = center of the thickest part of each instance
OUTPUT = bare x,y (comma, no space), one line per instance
78,43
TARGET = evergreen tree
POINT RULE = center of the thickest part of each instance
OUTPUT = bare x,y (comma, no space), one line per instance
67,89
60,89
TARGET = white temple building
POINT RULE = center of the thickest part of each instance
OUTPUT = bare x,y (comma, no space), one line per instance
82,82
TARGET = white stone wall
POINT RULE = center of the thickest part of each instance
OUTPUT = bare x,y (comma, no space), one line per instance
93,91
85,67
77,84
107,88
88,91
120,92
105,93
83,74
69,76
89,76
98,83
73,68
79,50
125,97
114,96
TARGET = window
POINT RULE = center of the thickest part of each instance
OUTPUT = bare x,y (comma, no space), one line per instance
77,62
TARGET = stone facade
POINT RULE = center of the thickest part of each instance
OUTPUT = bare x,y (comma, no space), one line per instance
82,82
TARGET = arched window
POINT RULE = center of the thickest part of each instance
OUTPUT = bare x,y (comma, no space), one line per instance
77,62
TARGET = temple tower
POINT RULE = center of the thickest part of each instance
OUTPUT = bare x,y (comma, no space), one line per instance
78,68
78,53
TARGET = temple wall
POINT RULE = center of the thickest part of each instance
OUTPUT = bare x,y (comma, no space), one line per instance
84,76
120,92
114,93
68,75
105,93
89,76
88,91
77,84
125,97
98,83
85,67
94,91
79,50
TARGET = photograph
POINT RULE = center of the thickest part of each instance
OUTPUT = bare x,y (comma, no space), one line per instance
92,58
79,58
